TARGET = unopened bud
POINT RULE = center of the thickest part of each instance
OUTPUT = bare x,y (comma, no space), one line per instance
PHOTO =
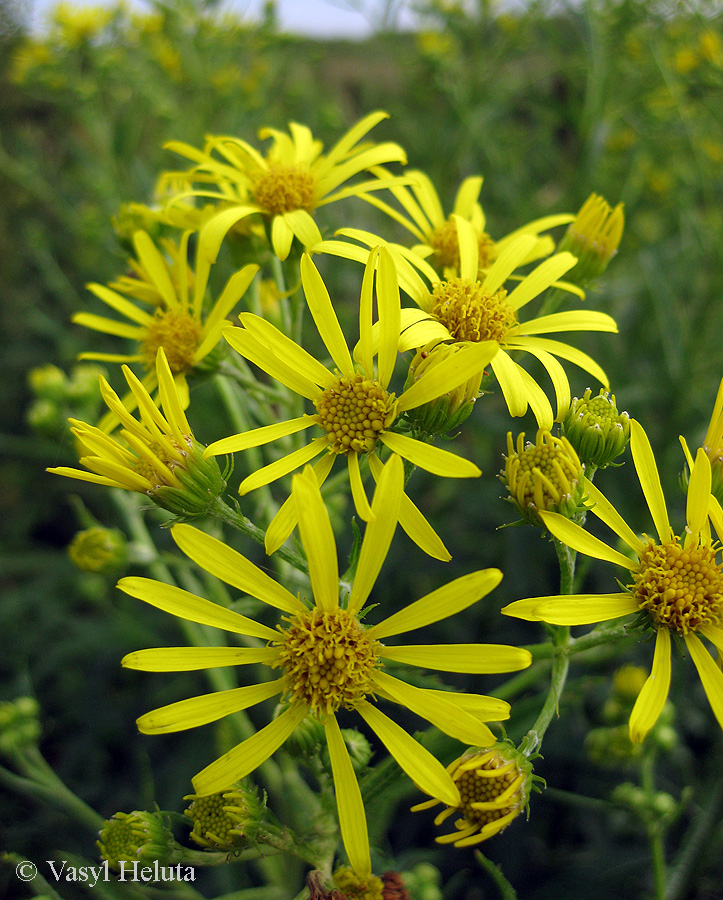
225,820
593,237
98,549
139,835
595,428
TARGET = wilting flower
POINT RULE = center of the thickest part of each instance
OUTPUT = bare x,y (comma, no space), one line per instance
494,787
287,185
437,234
354,408
326,655
178,322
158,454
677,583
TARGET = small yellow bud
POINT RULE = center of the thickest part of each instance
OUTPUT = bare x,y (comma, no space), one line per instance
97,549
593,237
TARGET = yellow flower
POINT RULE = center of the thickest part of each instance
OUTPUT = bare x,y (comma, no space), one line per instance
179,324
354,409
326,656
465,310
677,584
593,237
494,785
158,456
437,234
712,446
287,185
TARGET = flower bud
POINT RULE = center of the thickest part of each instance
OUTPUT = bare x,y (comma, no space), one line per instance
49,382
98,549
201,483
225,820
593,237
546,475
494,786
423,882
611,746
595,428
447,412
19,725
139,835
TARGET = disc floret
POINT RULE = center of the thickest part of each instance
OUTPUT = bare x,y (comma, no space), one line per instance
595,428
224,820
281,189
444,241
681,587
178,333
354,412
471,314
328,660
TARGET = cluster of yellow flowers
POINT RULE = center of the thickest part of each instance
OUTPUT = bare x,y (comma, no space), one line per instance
331,649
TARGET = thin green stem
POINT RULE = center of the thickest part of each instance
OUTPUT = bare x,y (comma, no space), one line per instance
507,892
654,829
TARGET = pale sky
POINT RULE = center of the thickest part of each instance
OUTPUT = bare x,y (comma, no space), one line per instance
321,18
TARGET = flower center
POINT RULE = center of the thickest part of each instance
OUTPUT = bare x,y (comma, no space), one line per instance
543,475
445,243
327,660
484,784
178,333
354,413
282,189
471,315
682,588
218,819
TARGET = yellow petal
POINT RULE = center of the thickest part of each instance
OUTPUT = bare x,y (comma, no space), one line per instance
231,567
320,307
573,320
714,633
154,264
558,378
579,539
467,197
436,707
537,399
282,235
258,436
207,708
235,289
80,475
427,772
304,227
120,304
188,606
349,803
511,382
317,538
361,503
423,332
468,249
449,374
249,754
389,316
109,326
649,479
483,659
710,675
432,459
368,342
191,659
540,279
564,351
575,609
379,531
286,519
440,604
169,398
699,487
511,256
259,353
489,709
214,231
654,693
607,513
281,467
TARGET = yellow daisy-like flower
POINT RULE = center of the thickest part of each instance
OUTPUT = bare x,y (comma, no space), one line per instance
437,234
158,455
180,323
354,408
287,185
677,582
466,310
326,656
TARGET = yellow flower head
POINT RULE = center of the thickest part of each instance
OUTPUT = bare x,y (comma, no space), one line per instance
325,656
594,238
353,407
286,186
677,581
439,243
157,454
494,787
179,322
463,309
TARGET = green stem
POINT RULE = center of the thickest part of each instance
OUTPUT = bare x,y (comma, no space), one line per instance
654,829
495,872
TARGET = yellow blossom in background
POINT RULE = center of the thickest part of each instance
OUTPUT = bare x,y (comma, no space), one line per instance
74,24
181,322
155,455
354,408
326,656
677,581
286,186
423,216
712,446
494,786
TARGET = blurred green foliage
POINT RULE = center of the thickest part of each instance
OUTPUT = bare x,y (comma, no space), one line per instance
549,102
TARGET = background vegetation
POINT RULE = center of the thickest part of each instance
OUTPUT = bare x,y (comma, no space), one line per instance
549,103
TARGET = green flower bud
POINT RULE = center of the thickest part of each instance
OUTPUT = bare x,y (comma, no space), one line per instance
45,417
49,382
546,475
593,237
595,428
139,835
201,483
451,409
225,820
19,725
84,385
98,549
611,746
423,882
307,739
